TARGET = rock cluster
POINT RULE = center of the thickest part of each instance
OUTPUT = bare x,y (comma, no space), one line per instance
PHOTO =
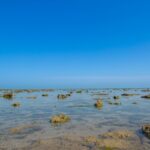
63,96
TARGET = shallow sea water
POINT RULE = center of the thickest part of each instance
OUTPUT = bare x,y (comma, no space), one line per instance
85,118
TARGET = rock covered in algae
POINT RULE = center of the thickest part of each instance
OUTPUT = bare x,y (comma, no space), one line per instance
99,104
44,95
146,96
17,104
8,95
79,91
61,118
146,130
61,96
68,94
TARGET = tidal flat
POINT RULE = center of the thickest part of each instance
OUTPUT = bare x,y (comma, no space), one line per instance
67,119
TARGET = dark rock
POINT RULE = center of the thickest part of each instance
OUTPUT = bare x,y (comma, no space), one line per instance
79,91
146,130
44,95
125,94
8,96
116,97
146,96
17,104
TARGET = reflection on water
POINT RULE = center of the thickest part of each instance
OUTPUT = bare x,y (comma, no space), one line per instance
35,112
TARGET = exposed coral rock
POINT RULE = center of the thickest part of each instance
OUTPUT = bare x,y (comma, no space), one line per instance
99,104
61,96
61,118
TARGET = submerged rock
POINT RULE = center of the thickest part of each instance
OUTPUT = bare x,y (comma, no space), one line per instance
59,143
113,140
110,102
125,94
146,130
31,97
61,118
146,90
146,96
17,104
100,94
79,91
68,95
99,104
118,134
134,103
18,91
25,129
114,102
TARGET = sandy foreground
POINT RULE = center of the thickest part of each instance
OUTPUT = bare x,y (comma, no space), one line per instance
112,140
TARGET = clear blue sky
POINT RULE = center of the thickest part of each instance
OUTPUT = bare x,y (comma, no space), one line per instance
81,43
